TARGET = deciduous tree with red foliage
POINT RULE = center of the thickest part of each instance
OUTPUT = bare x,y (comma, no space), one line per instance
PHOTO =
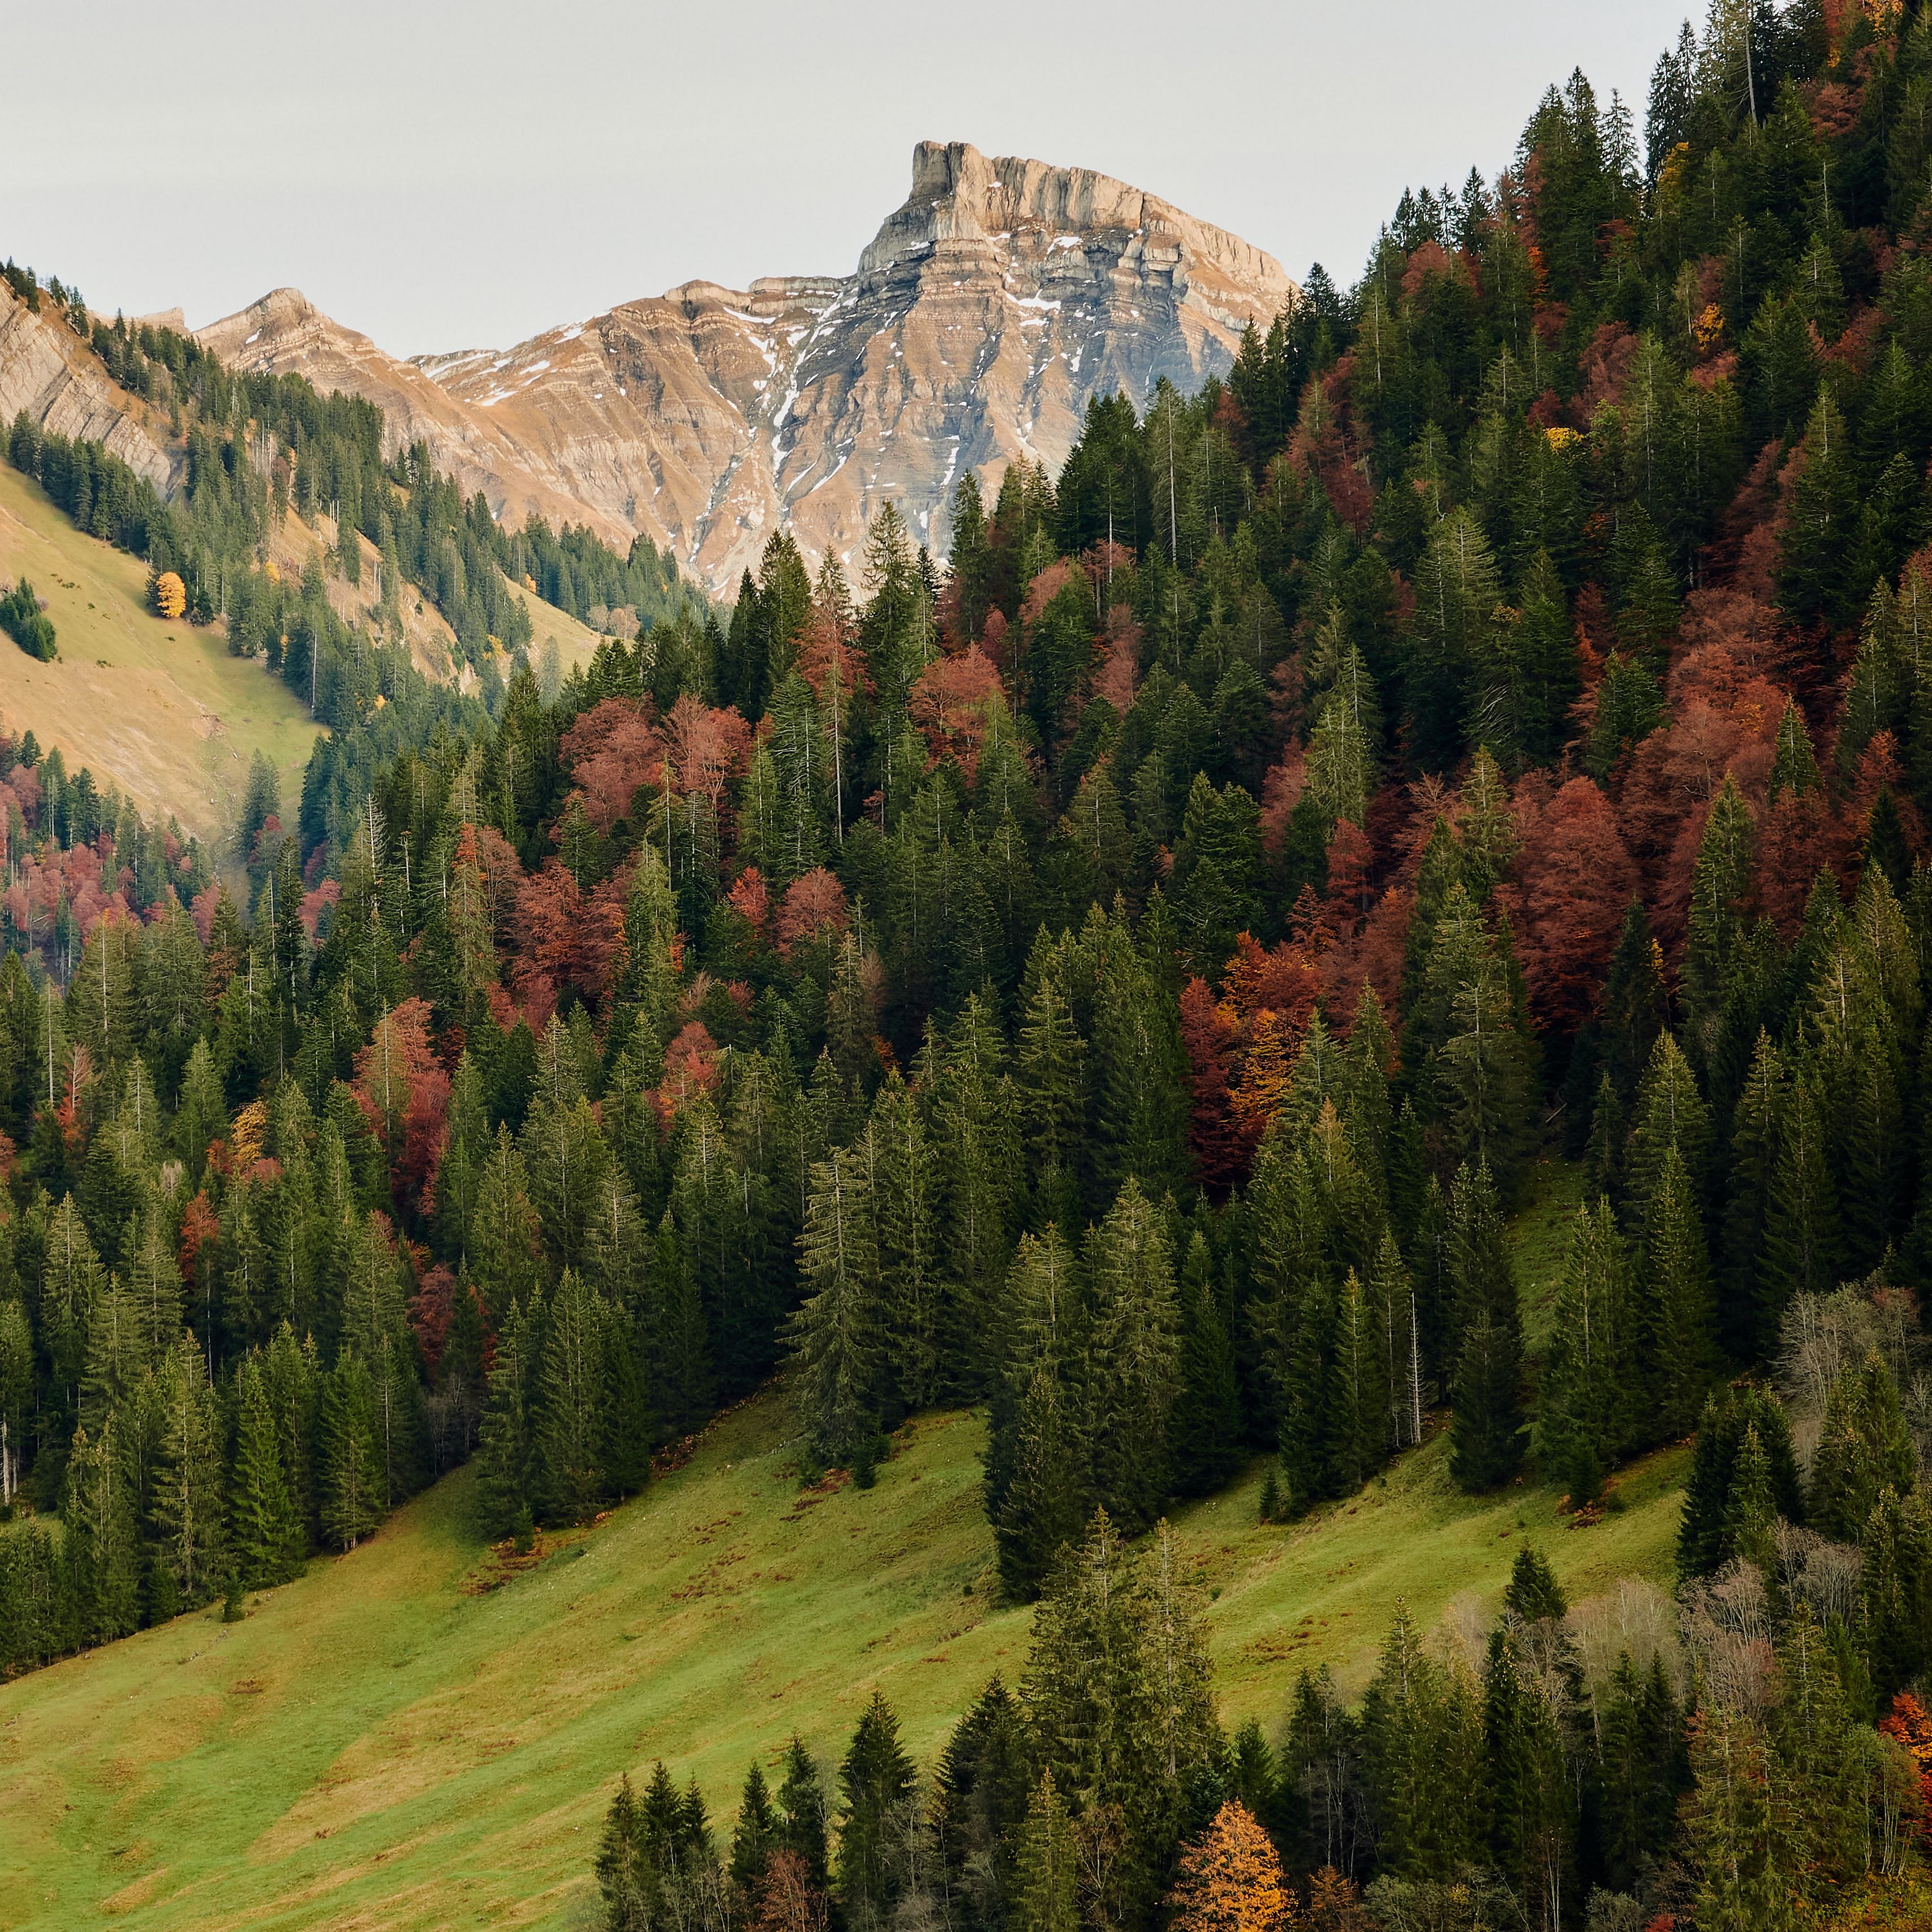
1569,889
812,904
611,750
404,1090
955,704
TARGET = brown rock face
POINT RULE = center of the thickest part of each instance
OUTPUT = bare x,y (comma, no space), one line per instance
989,307
45,371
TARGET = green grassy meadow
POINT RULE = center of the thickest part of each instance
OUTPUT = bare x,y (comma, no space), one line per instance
159,710
386,1741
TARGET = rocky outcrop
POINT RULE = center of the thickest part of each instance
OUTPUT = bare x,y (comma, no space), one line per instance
45,371
1001,296
284,332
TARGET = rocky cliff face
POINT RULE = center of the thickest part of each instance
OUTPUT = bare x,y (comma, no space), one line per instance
45,370
1001,296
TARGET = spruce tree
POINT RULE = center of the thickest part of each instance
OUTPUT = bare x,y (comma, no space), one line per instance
1533,1815
265,1540
1486,1385
1707,1539
1046,1874
877,1781
352,1480
1587,1417
1670,1115
570,1424
1206,1422
1044,1501
184,1500
838,1334
506,1454
619,1863
802,1803
1802,1242
99,1541
1863,1447
756,1834
1750,1298
1679,1310
1133,1353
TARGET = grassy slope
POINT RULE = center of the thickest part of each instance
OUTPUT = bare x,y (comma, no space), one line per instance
161,710
375,1745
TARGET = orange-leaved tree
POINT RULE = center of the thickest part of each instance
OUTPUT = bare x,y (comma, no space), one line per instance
1231,1879
170,595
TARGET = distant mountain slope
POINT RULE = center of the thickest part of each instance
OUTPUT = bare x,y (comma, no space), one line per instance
999,298
161,711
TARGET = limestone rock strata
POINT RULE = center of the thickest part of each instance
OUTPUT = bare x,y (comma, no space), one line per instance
45,371
989,307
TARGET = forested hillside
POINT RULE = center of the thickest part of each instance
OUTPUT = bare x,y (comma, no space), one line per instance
1128,980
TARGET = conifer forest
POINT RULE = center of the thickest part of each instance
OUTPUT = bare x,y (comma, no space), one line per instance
1126,976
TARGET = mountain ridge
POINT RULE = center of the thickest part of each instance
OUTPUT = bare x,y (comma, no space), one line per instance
999,296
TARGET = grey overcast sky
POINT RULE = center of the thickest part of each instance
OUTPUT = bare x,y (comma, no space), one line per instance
446,176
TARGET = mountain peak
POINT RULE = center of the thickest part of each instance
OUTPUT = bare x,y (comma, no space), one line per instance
1000,295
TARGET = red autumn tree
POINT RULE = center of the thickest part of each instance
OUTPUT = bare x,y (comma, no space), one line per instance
749,898
812,904
1210,1033
611,750
404,1090
431,1307
566,937
954,702
690,1068
200,1235
707,748
1572,885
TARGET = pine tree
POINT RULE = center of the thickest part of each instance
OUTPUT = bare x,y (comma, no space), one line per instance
1205,1426
1046,1876
1642,1771
1486,1385
905,1206
1586,1418
99,1542
1719,881
838,1334
1730,1837
755,1835
1669,1116
1751,1300
505,1456
351,1458
1359,1424
1533,1828
1421,1743
1133,1355
619,1864
569,1428
802,1802
264,1539
877,1781
1863,1447
1802,1243
1052,1067
1679,1312
184,1484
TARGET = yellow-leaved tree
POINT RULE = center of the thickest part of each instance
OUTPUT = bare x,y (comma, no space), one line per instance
170,595
1231,1879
